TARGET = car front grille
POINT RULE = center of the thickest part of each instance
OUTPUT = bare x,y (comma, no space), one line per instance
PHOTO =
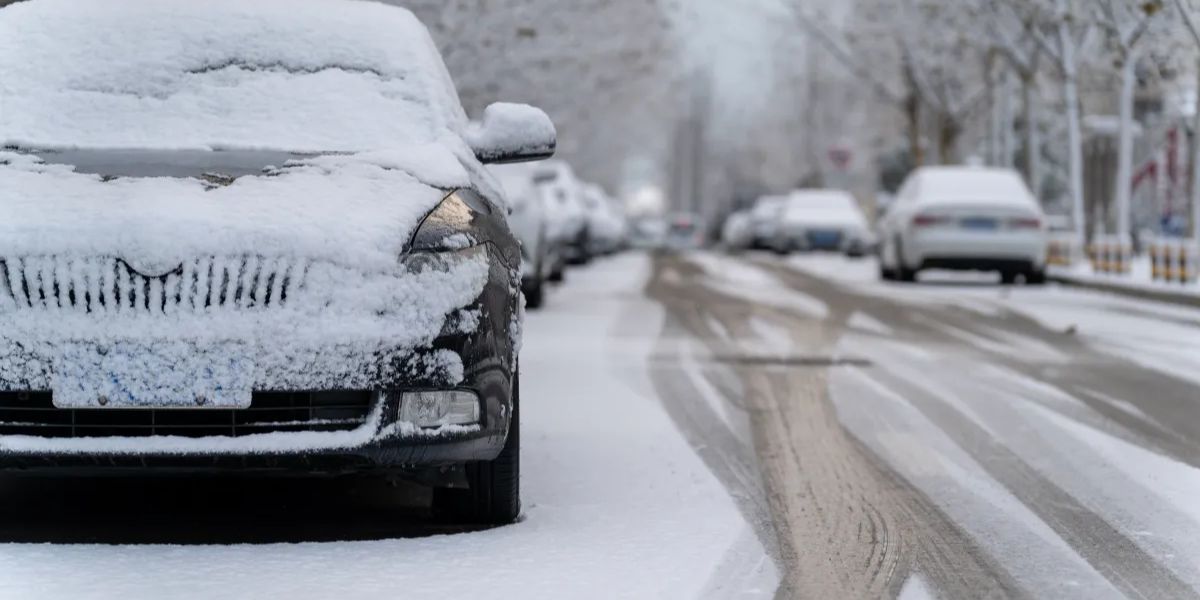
34,414
111,285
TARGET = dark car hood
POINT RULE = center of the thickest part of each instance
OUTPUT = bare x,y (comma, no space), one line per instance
168,163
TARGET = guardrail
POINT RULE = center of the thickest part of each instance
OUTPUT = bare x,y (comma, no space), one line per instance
1174,260
1110,254
1062,250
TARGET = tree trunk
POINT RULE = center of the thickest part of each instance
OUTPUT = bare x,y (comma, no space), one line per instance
948,134
1033,144
1074,135
912,110
1196,168
993,132
1006,110
1123,185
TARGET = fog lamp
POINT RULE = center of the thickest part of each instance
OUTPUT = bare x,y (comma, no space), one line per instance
434,409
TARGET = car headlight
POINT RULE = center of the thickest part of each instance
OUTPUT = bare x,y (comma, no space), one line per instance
450,226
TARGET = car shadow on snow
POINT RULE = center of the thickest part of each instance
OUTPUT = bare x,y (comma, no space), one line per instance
213,510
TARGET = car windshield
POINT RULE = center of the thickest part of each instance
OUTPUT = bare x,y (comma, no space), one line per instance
219,75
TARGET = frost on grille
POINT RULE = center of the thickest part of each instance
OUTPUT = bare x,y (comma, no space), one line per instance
111,285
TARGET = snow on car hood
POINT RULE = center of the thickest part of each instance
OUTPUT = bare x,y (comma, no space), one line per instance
351,210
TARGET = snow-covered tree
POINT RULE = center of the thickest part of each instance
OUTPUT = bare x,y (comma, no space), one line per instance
1126,23
1189,16
603,69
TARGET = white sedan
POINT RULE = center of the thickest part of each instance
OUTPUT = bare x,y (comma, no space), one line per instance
964,218
823,220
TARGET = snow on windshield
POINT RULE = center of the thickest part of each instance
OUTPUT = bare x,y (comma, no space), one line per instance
299,75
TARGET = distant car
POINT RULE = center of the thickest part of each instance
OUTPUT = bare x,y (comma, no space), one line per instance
527,218
248,237
765,217
964,218
647,233
683,232
737,232
562,193
828,220
605,223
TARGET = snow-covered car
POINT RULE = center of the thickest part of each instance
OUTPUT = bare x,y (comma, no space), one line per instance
823,220
737,232
964,218
527,218
648,232
562,195
605,224
765,217
683,232
248,236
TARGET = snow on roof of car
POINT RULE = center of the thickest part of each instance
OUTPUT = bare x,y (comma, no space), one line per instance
299,75
953,185
825,206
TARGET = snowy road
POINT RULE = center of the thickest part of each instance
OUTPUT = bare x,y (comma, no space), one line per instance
703,426
617,503
952,438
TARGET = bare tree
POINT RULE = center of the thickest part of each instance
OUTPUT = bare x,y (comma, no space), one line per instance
1126,23
1189,16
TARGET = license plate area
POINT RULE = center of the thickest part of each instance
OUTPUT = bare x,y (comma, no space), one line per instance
980,224
131,375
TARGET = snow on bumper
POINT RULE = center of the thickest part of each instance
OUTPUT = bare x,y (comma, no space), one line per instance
325,327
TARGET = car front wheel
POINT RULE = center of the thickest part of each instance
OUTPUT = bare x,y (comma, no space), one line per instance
493,493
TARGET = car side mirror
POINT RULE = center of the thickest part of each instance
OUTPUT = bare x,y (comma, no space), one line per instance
512,133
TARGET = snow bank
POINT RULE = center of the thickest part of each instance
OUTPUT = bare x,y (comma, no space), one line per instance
303,75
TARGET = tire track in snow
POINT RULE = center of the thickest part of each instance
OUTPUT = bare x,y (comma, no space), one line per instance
1166,418
847,526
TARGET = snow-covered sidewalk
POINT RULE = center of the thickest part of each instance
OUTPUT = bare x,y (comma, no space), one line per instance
1138,282
617,505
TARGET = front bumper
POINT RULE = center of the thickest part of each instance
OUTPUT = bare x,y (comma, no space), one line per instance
475,350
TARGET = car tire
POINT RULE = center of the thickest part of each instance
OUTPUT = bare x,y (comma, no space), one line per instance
903,273
1008,277
886,274
535,295
556,274
1035,277
493,493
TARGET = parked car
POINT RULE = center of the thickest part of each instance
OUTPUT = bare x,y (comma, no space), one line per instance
823,220
737,232
527,218
562,195
683,232
243,236
605,223
964,218
648,232
765,214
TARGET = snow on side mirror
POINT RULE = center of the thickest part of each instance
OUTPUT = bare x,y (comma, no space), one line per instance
512,133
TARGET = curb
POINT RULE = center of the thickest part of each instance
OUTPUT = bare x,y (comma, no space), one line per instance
1141,293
